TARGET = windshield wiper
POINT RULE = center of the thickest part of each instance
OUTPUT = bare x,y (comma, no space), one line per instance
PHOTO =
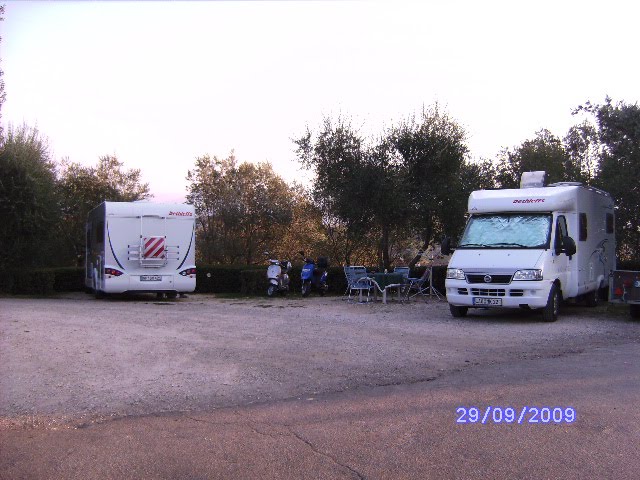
506,244
473,245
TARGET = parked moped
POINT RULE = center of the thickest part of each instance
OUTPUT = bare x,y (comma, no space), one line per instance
278,275
314,275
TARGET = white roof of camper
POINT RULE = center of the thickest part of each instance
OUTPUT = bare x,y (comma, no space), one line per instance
142,208
562,197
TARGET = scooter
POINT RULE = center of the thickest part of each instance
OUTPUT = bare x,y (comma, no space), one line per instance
278,275
314,275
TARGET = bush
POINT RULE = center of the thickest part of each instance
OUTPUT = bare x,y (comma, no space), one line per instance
221,279
68,279
33,282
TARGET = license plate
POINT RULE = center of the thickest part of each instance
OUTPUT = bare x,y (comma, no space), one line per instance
150,278
490,302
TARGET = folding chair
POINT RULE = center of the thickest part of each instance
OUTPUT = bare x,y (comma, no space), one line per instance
357,281
420,285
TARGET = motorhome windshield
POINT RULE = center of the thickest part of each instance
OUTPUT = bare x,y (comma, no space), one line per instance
507,230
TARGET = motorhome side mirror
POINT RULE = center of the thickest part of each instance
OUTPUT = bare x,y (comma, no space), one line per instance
569,246
445,246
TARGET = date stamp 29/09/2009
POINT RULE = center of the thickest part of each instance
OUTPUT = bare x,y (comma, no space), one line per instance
519,416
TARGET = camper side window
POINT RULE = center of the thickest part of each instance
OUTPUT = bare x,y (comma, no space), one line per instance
100,233
609,222
561,233
583,227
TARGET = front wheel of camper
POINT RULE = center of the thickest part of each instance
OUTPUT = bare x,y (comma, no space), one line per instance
634,310
552,309
271,291
458,312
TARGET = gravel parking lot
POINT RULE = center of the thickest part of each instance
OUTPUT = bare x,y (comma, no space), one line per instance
75,358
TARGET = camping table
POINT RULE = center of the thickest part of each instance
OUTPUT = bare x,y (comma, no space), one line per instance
386,279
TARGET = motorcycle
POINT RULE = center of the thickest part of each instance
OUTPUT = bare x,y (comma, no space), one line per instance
278,275
314,275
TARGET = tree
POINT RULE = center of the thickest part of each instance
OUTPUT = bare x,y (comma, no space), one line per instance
543,152
618,135
3,94
81,188
379,192
344,184
28,200
242,210
432,152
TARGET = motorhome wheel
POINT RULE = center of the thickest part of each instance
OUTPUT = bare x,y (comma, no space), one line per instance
458,312
593,298
552,309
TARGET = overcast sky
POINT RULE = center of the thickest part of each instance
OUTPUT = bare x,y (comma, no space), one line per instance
159,84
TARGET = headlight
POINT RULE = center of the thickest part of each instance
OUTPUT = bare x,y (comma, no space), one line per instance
532,274
455,274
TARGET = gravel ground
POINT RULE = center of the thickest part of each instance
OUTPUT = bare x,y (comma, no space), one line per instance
76,358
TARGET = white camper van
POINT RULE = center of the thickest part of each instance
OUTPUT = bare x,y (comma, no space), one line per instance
140,247
533,247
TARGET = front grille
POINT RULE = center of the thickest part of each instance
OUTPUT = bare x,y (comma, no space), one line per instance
517,293
479,278
488,292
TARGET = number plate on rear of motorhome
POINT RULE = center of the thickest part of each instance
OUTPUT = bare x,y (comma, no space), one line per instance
150,278
489,302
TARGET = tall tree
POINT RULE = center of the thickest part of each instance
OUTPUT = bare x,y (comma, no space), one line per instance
376,191
344,183
29,209
432,152
618,133
3,94
543,152
242,209
82,188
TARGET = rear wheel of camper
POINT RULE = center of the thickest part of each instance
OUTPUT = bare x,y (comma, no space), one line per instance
458,312
552,309
593,298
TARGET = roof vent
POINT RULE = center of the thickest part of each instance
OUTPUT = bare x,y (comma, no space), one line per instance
532,179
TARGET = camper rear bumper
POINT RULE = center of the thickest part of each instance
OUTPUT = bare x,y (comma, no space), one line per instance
516,294
149,282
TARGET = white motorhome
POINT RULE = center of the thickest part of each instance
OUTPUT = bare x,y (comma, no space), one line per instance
140,247
533,247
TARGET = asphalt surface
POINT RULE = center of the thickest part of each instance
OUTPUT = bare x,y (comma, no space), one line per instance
330,391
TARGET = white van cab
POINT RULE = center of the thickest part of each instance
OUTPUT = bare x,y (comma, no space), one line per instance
532,247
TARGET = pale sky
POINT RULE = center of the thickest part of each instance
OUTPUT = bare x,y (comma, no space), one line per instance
159,84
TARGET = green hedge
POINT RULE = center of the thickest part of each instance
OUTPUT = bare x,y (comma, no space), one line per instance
221,279
209,279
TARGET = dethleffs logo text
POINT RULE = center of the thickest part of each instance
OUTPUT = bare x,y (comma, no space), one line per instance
181,214
529,200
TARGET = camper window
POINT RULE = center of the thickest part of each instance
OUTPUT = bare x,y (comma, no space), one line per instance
609,222
100,233
583,227
561,233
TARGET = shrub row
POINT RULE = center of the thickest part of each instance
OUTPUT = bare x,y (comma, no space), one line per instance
42,281
216,279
